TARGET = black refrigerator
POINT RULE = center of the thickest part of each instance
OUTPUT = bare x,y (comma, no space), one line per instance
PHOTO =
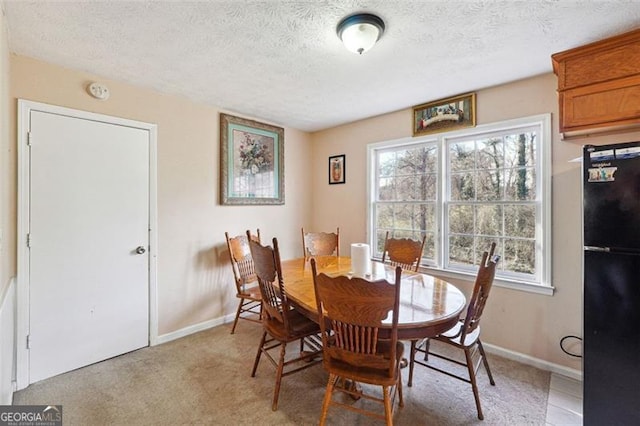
611,292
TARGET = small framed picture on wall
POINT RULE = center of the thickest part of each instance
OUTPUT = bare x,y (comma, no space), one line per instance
337,169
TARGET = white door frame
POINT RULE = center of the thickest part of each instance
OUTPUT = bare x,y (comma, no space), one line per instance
23,279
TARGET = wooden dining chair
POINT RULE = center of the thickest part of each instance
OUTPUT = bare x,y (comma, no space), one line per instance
466,334
403,252
352,312
247,289
320,243
282,324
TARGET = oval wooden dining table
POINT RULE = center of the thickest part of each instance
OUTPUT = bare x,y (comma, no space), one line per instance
428,305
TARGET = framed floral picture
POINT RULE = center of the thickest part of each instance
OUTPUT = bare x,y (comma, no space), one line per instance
251,162
337,169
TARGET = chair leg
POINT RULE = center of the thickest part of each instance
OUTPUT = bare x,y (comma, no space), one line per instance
412,361
401,399
280,369
427,342
388,412
328,393
235,321
257,361
486,363
472,378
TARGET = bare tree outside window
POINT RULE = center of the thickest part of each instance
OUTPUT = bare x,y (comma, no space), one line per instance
465,191
492,199
406,197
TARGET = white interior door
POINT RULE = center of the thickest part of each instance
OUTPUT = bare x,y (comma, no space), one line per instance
88,242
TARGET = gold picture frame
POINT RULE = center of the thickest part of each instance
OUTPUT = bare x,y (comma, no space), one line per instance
251,162
445,115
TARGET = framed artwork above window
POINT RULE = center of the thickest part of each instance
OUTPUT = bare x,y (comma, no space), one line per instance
445,115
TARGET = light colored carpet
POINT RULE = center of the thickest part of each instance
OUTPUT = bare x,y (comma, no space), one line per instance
205,379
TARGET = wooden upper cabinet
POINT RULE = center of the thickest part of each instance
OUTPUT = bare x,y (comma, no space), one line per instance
599,85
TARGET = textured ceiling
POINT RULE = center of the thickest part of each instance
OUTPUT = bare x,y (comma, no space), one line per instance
281,61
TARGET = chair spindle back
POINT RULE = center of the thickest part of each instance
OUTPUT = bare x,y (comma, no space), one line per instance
321,243
241,260
266,261
351,312
481,289
403,252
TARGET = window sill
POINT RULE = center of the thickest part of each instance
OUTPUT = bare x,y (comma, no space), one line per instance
499,282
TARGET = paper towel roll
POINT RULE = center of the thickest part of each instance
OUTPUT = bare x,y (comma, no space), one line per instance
360,259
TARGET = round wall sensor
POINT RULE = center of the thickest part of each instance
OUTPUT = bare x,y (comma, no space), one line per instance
98,91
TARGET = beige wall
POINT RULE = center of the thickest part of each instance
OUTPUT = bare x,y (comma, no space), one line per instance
194,278
524,322
195,283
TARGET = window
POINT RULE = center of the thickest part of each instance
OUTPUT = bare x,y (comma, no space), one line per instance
407,181
465,190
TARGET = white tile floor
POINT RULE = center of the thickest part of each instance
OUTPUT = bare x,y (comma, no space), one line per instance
564,407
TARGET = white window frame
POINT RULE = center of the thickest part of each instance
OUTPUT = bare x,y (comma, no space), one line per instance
542,284
413,143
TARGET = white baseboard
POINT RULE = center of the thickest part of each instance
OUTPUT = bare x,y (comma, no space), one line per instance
534,362
7,343
493,349
194,329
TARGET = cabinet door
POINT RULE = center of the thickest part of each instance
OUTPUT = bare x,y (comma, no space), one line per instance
613,103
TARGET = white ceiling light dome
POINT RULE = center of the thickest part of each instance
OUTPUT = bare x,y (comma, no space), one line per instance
360,32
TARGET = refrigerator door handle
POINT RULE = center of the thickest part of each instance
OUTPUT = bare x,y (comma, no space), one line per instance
629,251
594,248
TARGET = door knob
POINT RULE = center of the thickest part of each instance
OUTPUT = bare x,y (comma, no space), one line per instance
141,250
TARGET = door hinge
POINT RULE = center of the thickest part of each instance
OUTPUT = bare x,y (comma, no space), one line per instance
28,341
29,139
28,240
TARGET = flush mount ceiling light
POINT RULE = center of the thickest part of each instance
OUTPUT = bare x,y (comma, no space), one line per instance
360,32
